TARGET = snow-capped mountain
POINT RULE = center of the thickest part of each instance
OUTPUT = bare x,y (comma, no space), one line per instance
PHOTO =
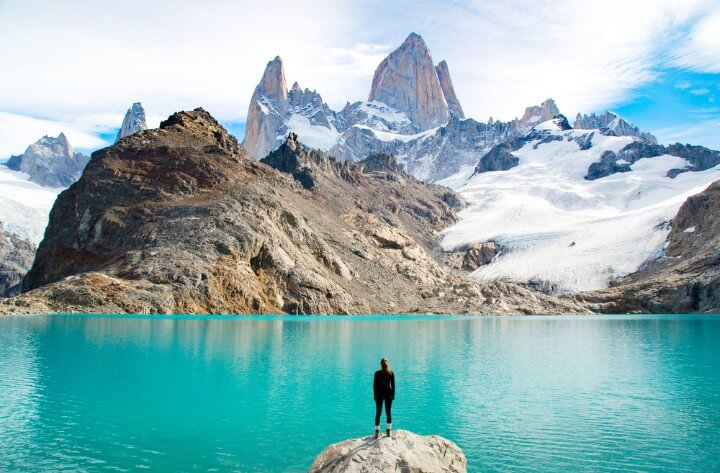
50,162
610,123
562,224
133,122
412,112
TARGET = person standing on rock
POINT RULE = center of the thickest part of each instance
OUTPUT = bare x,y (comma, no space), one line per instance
384,391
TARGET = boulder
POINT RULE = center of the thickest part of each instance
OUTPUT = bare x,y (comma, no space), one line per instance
405,451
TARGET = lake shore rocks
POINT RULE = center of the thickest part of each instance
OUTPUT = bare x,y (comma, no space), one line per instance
405,451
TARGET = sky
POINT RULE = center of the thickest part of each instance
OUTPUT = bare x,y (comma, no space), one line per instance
77,65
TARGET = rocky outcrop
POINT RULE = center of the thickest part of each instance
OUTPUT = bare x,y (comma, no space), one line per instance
538,114
448,90
611,124
181,220
686,278
16,257
698,158
50,162
133,122
405,451
479,254
407,81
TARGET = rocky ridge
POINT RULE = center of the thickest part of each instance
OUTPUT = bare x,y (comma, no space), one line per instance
50,162
181,220
405,451
611,124
133,122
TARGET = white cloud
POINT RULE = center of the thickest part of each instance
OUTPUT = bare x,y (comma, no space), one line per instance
700,49
74,60
704,132
18,131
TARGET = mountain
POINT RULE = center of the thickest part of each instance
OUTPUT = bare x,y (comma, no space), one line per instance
50,162
408,82
274,111
181,219
686,278
133,122
611,124
412,112
562,225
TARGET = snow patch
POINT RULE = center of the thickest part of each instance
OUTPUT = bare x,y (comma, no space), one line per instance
24,205
689,230
537,209
314,136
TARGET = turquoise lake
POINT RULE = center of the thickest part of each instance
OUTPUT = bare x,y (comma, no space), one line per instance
528,394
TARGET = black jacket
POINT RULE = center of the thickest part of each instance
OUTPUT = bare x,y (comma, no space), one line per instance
384,385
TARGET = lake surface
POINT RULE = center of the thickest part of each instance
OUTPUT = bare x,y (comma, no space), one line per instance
610,393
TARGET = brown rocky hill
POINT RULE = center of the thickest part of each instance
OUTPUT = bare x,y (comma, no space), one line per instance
686,279
182,220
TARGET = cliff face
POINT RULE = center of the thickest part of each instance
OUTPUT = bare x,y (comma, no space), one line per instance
407,81
16,257
181,220
686,278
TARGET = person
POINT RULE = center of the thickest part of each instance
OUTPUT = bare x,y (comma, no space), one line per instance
384,391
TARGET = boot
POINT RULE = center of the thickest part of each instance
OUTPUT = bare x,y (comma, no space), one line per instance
388,433
377,433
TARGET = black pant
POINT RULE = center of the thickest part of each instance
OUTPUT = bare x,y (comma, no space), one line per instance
388,410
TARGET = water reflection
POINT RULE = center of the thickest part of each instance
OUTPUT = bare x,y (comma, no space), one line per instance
517,394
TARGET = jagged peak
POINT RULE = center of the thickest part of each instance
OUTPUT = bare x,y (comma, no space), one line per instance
273,84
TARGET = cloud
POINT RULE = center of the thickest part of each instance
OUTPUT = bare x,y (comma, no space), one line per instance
19,131
705,132
503,54
700,91
700,48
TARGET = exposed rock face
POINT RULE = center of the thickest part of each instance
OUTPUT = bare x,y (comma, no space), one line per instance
266,114
16,257
406,452
479,254
698,158
687,278
448,90
407,81
50,162
611,124
181,220
274,111
538,114
133,122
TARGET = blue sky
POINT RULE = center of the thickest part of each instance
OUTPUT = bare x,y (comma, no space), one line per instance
77,65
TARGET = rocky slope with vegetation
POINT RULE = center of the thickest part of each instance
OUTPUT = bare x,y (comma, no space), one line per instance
182,220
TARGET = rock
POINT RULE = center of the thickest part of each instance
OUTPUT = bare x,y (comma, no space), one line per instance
267,111
50,162
611,124
698,158
407,81
542,113
448,90
133,122
479,254
405,451
16,257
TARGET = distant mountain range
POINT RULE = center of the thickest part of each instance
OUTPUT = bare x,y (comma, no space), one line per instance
412,112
